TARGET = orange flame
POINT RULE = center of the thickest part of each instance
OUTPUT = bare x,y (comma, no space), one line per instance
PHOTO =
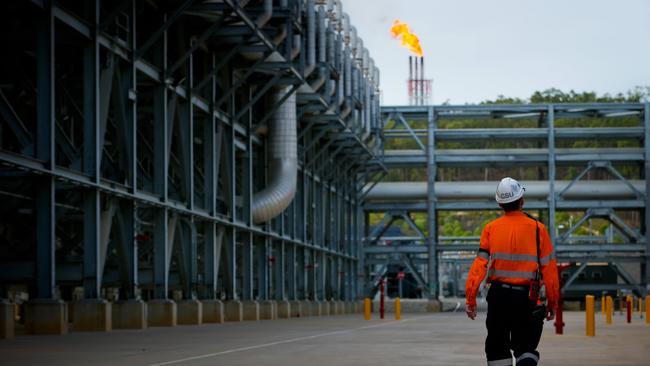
410,40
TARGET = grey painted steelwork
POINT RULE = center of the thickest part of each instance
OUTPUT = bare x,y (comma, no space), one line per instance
153,125
432,220
598,198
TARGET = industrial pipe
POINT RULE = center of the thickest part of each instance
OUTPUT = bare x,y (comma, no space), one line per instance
415,191
283,167
311,38
322,51
266,15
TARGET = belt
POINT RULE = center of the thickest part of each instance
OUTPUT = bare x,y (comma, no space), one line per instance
510,287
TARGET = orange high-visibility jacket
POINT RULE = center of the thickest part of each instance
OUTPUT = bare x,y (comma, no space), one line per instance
510,243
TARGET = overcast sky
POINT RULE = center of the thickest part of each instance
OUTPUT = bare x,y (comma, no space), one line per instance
477,49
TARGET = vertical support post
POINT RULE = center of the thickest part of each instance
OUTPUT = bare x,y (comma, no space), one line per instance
210,162
128,249
212,145
336,279
231,250
133,103
358,235
263,269
367,308
161,132
91,234
590,320
551,171
319,278
161,253
313,282
609,302
646,124
45,151
192,265
398,309
247,267
300,274
91,161
160,181
209,261
647,309
310,269
189,140
381,298
279,267
92,153
45,239
291,272
431,206
249,239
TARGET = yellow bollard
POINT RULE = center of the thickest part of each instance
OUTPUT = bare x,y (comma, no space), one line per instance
589,314
647,309
603,306
610,309
367,308
398,309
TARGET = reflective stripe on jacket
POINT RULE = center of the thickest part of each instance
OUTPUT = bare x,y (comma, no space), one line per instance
510,243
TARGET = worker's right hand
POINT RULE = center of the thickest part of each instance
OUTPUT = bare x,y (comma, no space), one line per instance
471,311
550,314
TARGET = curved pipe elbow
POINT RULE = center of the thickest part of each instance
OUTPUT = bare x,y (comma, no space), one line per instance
283,168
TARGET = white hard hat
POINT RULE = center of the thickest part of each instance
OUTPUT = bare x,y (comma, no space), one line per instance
509,190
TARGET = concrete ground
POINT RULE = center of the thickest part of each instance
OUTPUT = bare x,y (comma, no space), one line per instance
435,339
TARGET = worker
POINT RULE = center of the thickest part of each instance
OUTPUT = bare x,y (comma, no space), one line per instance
522,259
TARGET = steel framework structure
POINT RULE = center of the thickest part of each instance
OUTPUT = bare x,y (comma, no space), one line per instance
132,140
423,252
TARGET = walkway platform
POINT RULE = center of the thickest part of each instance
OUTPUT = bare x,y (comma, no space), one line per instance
426,339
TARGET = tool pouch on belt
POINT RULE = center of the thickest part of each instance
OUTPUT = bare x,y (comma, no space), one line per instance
539,312
533,291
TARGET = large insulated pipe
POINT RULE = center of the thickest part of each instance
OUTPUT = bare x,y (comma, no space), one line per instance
266,15
295,51
340,67
346,28
322,36
283,161
322,51
353,39
367,110
417,191
311,38
331,55
348,72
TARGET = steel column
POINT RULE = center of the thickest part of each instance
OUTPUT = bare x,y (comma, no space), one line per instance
431,206
550,119
646,144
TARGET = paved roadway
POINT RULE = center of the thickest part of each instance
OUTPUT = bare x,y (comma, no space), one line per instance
436,339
